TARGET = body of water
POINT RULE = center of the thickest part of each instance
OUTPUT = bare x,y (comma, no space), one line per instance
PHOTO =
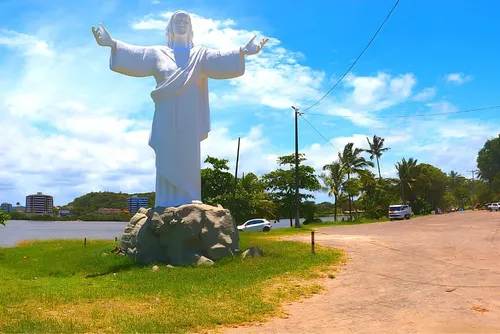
18,230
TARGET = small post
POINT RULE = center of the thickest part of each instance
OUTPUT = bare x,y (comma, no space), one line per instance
85,242
116,239
312,242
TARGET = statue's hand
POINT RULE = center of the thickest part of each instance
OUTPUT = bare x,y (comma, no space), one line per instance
251,48
103,37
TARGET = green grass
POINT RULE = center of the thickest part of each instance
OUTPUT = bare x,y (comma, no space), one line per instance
305,229
61,286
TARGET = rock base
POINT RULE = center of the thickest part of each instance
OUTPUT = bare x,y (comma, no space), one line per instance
184,235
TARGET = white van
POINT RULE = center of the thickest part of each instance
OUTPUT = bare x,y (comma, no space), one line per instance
399,211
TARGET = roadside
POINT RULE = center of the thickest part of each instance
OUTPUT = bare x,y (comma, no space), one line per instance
434,274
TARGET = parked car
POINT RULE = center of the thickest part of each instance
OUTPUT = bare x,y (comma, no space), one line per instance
494,207
399,211
255,225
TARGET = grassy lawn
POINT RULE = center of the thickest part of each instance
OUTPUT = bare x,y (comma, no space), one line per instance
61,286
304,229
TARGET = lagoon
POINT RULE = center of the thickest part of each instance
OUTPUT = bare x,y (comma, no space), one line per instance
18,230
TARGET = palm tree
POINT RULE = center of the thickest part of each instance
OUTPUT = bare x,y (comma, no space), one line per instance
353,163
454,178
405,173
376,150
334,178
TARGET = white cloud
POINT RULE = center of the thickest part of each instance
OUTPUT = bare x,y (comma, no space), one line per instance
425,95
442,107
380,92
268,75
457,78
28,44
365,96
75,126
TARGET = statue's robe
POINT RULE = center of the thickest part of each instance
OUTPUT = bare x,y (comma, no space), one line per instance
182,114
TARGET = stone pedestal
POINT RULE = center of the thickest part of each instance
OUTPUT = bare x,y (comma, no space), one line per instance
183,235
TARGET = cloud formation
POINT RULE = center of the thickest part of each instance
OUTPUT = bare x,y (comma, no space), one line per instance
74,126
457,78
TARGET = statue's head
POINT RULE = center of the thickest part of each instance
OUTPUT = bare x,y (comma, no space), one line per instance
180,25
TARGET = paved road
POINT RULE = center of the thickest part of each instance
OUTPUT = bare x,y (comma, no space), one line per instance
397,278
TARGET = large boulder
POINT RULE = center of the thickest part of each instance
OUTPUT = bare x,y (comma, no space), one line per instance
183,235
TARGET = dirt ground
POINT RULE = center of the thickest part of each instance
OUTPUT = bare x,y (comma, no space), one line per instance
435,274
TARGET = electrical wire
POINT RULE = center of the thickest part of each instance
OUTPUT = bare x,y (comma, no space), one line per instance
355,61
312,126
410,116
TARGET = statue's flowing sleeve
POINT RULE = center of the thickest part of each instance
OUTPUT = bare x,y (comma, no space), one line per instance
223,64
132,60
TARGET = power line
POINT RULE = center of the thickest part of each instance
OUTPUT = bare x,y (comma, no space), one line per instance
354,63
410,116
312,126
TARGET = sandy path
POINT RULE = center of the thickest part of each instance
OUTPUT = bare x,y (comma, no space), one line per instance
397,277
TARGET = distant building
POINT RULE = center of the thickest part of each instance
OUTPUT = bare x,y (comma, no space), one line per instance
6,207
39,204
108,211
64,212
134,203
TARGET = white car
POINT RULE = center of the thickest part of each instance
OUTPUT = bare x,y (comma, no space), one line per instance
256,225
399,212
494,207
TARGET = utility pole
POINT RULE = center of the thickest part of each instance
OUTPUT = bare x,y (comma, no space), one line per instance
473,188
236,172
297,199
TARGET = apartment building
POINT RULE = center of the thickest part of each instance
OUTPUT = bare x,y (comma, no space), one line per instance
135,202
39,204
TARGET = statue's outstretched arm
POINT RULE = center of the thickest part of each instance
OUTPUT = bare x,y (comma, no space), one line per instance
131,60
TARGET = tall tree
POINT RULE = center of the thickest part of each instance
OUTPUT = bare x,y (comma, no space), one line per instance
280,184
406,169
453,176
488,163
216,182
334,177
430,185
376,150
377,194
459,189
353,163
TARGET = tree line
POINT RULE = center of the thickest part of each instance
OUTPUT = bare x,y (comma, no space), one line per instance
352,184
349,180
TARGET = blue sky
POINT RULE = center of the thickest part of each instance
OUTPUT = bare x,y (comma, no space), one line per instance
70,126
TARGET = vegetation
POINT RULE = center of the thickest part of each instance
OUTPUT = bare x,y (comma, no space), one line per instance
3,218
90,203
62,286
353,163
348,180
488,163
376,150
280,185
334,178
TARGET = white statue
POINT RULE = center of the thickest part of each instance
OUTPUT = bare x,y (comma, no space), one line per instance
182,115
